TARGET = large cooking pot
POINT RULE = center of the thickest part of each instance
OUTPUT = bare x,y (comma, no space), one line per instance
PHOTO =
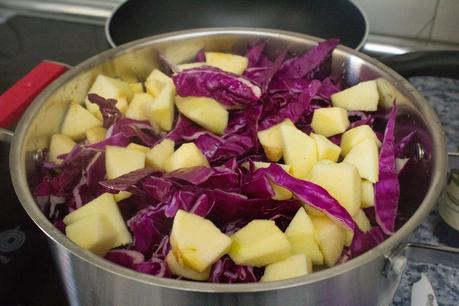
369,279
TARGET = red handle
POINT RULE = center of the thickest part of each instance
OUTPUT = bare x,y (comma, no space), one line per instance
15,100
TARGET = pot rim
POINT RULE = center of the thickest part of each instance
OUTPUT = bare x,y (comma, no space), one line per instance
19,178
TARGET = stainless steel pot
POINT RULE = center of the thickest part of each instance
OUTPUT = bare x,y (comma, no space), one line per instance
369,279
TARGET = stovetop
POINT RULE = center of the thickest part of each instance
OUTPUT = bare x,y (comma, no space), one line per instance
28,276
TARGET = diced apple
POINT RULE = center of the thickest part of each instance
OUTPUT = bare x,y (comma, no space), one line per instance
361,97
280,193
271,140
109,88
77,121
325,148
388,93
159,154
104,204
354,136
299,150
368,194
196,242
136,87
329,121
293,266
188,155
93,233
140,148
206,112
364,157
302,237
119,161
191,65
342,181
331,238
60,144
177,269
138,107
259,243
95,134
161,112
364,224
156,81
227,62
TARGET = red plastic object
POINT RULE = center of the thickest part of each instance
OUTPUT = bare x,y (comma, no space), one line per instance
15,100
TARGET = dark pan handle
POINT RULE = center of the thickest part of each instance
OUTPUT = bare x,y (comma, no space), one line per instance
420,63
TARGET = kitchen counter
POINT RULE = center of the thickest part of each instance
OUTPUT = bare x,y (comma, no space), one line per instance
443,95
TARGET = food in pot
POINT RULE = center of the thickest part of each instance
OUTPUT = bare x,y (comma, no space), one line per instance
233,169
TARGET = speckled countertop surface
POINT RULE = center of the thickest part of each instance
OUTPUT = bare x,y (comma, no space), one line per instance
443,95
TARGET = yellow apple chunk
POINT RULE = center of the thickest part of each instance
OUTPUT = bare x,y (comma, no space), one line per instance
361,97
138,107
364,225
331,238
280,193
302,237
271,140
187,156
325,148
136,87
227,62
368,194
77,121
205,112
140,148
196,242
156,81
259,243
191,65
93,233
354,136
60,144
299,150
342,181
388,93
159,154
329,121
177,269
293,266
108,88
119,161
161,111
364,157
105,205
96,134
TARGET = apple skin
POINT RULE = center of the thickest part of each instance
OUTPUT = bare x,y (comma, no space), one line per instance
177,269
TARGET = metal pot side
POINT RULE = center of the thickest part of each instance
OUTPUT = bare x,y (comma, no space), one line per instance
91,280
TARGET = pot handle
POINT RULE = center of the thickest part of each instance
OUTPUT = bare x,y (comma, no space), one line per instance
15,100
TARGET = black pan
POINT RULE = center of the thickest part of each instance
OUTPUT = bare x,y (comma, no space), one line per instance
136,19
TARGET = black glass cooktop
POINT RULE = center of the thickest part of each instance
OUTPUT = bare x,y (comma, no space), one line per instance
28,276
